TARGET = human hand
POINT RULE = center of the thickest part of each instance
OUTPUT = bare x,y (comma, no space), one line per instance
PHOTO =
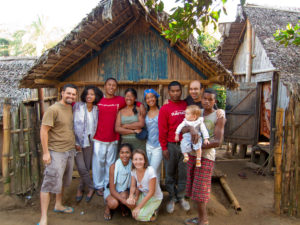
137,131
46,158
206,141
78,148
220,113
166,102
176,137
130,201
194,135
166,154
135,212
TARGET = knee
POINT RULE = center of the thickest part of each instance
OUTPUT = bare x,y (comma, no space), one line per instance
112,203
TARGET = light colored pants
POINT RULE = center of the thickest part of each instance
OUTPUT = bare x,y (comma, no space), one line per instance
155,157
147,211
104,155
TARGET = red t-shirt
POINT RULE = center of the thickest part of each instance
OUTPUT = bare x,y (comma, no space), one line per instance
108,110
170,116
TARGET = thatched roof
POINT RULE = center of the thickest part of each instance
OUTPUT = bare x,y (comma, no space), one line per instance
12,70
265,22
106,22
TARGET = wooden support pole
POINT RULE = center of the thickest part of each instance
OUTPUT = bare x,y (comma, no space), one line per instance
278,160
297,157
230,194
161,94
6,146
249,52
41,102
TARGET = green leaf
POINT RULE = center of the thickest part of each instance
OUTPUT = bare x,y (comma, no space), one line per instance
161,6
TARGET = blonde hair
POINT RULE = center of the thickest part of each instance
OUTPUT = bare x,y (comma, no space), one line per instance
195,110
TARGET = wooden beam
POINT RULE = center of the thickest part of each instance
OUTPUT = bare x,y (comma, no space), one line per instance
41,102
249,52
90,44
46,82
129,82
90,38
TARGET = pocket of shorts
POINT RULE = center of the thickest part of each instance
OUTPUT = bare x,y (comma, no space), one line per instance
50,173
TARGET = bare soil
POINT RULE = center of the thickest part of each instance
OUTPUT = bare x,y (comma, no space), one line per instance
254,193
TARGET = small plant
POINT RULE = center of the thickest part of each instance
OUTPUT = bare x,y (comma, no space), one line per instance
221,96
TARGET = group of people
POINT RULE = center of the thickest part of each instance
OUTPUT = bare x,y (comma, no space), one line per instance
124,143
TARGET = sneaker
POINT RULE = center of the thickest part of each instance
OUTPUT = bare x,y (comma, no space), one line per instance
170,206
184,204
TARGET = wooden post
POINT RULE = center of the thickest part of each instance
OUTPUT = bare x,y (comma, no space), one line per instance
6,146
41,102
278,160
243,151
297,157
249,52
230,194
161,93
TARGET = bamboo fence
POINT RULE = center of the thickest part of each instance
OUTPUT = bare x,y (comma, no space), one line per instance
287,161
20,158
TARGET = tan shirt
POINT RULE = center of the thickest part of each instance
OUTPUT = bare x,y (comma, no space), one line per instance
61,135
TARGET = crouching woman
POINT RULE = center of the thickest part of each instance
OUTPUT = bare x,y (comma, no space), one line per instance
119,182
145,194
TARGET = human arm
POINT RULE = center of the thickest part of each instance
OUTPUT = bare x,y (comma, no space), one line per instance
152,185
44,141
218,135
163,131
131,200
139,124
121,130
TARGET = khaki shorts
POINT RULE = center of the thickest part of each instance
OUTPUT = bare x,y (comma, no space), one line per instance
58,173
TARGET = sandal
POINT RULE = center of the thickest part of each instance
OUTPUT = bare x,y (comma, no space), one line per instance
67,210
186,159
100,192
193,221
79,197
106,215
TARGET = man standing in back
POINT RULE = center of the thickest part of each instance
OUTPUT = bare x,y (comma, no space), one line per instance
170,116
58,143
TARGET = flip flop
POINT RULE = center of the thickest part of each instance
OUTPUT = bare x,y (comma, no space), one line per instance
65,210
107,216
100,192
193,221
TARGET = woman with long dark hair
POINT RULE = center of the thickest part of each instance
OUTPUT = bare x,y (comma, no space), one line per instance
130,121
153,148
85,123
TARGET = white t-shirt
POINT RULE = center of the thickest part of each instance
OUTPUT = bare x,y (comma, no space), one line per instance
143,186
89,122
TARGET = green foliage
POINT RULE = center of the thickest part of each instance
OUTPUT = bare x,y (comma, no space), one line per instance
209,43
289,36
221,96
4,47
188,17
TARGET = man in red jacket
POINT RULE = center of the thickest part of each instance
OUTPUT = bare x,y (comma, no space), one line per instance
170,116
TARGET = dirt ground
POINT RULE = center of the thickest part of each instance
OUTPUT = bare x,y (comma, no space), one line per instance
255,195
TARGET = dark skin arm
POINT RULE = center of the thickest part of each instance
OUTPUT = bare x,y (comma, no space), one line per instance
141,123
218,134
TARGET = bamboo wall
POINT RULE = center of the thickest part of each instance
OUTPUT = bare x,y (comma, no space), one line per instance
287,160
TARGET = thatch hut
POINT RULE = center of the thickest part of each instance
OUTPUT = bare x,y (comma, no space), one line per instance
270,76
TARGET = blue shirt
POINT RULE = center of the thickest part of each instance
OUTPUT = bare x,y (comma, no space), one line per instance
152,128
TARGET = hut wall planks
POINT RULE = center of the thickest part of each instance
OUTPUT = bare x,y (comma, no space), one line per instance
260,59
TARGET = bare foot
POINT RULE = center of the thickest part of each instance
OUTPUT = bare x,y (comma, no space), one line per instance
107,215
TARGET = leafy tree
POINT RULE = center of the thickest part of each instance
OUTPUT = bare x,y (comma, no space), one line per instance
289,36
209,43
4,47
189,17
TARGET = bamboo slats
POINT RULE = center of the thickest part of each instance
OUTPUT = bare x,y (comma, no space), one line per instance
287,187
20,156
6,146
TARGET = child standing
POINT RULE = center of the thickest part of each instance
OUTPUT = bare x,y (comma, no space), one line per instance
192,118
